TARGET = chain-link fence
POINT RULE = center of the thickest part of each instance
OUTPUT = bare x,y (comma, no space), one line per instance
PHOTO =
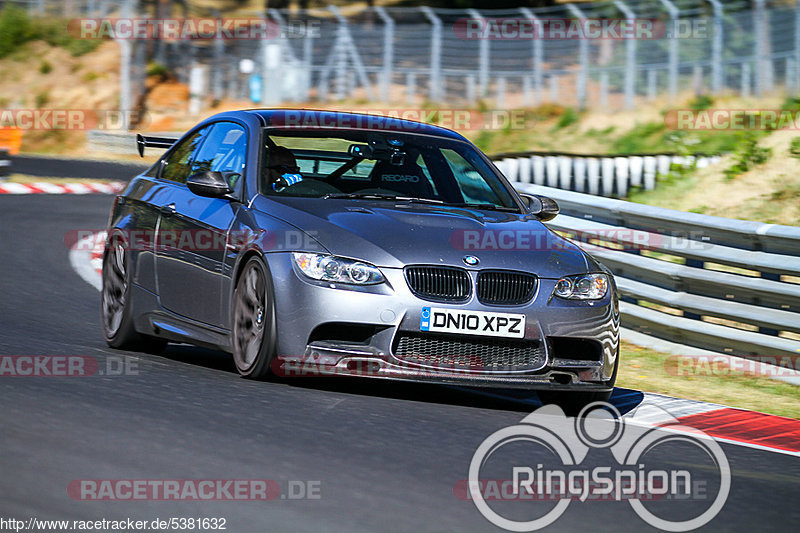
463,57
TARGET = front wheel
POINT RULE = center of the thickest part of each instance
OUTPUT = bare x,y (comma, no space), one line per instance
254,331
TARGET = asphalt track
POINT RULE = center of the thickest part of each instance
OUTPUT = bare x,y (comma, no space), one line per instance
62,167
386,456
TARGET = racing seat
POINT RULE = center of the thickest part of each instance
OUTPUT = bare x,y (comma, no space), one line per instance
406,180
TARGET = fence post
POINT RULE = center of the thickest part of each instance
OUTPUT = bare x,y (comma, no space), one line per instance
583,60
651,84
219,54
745,80
763,61
630,59
483,57
411,89
553,88
538,53
796,81
526,91
308,50
716,48
674,13
435,87
500,99
697,79
342,49
125,93
388,53
469,81
604,89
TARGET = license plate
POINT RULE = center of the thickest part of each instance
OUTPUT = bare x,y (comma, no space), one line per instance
472,322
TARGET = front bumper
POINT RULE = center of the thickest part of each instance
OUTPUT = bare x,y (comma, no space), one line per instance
304,306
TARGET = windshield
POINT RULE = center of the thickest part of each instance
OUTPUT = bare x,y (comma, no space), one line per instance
374,165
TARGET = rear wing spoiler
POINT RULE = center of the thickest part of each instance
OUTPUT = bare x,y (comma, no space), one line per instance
153,142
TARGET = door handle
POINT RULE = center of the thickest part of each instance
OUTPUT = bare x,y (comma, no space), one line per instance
167,210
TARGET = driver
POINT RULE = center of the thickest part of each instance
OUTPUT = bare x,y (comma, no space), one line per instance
282,170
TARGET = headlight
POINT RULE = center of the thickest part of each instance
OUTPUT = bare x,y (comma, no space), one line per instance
337,269
582,287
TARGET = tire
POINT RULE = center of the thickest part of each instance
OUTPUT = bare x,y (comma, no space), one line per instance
573,402
116,313
253,324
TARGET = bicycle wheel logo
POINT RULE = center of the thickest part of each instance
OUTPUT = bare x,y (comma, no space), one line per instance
563,477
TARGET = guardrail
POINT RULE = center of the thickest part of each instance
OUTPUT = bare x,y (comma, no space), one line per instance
730,286
595,174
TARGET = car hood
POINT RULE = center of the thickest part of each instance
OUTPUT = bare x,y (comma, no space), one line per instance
394,235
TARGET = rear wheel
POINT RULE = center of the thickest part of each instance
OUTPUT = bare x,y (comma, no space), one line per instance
573,402
253,332
115,304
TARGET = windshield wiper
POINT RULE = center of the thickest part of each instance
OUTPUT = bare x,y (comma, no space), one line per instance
377,196
488,207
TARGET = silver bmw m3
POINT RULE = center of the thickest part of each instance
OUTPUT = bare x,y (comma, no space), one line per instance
324,243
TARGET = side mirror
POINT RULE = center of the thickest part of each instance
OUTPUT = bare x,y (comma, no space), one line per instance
542,207
209,183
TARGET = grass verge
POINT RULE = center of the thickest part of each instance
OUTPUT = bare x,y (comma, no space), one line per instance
650,371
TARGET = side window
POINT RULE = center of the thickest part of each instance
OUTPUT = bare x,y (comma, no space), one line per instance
225,150
177,165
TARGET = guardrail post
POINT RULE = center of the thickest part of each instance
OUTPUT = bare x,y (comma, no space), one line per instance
537,169
583,61
630,59
551,169
388,53
435,88
672,82
579,172
593,175
538,54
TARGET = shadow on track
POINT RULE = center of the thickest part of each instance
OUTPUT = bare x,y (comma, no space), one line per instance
624,400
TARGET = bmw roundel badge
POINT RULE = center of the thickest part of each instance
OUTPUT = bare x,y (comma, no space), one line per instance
471,260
